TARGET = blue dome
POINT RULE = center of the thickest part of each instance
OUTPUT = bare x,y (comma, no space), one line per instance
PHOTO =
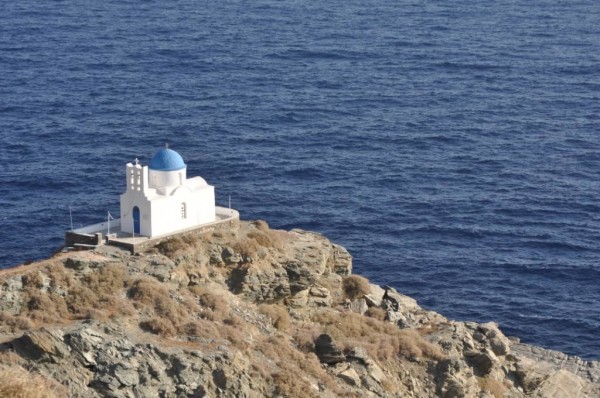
167,160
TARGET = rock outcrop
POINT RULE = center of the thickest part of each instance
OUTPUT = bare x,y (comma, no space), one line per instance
250,312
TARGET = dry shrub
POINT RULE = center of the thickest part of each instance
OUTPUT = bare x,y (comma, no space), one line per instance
376,313
202,328
235,321
269,239
214,331
80,299
278,314
389,386
355,287
95,297
214,306
261,225
246,247
15,323
171,246
304,336
217,235
189,239
33,280
46,307
154,295
16,382
60,277
382,340
492,386
289,383
10,358
159,326
107,281
291,361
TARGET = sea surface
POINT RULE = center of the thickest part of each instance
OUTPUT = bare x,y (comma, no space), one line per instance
452,147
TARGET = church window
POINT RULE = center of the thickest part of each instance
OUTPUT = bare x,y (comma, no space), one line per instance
183,211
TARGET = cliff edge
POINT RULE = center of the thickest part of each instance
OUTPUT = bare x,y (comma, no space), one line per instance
248,311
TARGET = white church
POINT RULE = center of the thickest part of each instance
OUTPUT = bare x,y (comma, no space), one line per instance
160,199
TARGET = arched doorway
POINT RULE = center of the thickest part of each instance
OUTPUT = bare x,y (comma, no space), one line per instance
136,220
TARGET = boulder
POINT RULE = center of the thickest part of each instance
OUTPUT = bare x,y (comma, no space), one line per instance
327,351
481,362
42,345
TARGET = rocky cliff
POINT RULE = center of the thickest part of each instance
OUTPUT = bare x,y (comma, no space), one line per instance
247,311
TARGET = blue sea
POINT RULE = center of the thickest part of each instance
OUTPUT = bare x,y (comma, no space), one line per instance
452,147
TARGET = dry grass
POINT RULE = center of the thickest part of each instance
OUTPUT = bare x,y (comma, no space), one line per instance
10,358
159,326
15,323
91,296
201,328
171,246
355,287
293,369
212,305
16,382
376,313
33,280
382,340
262,237
494,387
288,383
278,314
246,247
108,280
154,296
261,225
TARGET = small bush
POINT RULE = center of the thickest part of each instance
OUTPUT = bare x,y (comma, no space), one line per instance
46,307
492,386
156,296
383,341
201,328
376,313
289,362
80,299
246,247
14,322
215,307
278,314
268,239
261,225
159,326
355,287
10,358
189,239
33,280
107,281
289,383
16,382
171,246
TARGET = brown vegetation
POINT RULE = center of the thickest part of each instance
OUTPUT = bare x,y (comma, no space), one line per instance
293,369
383,341
16,382
355,287
376,313
154,296
15,323
159,326
171,246
278,314
492,386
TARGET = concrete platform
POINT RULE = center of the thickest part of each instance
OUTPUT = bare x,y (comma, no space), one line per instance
92,235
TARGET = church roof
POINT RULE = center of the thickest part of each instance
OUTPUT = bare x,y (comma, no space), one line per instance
166,160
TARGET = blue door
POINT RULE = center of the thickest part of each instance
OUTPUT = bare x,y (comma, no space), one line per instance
136,220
